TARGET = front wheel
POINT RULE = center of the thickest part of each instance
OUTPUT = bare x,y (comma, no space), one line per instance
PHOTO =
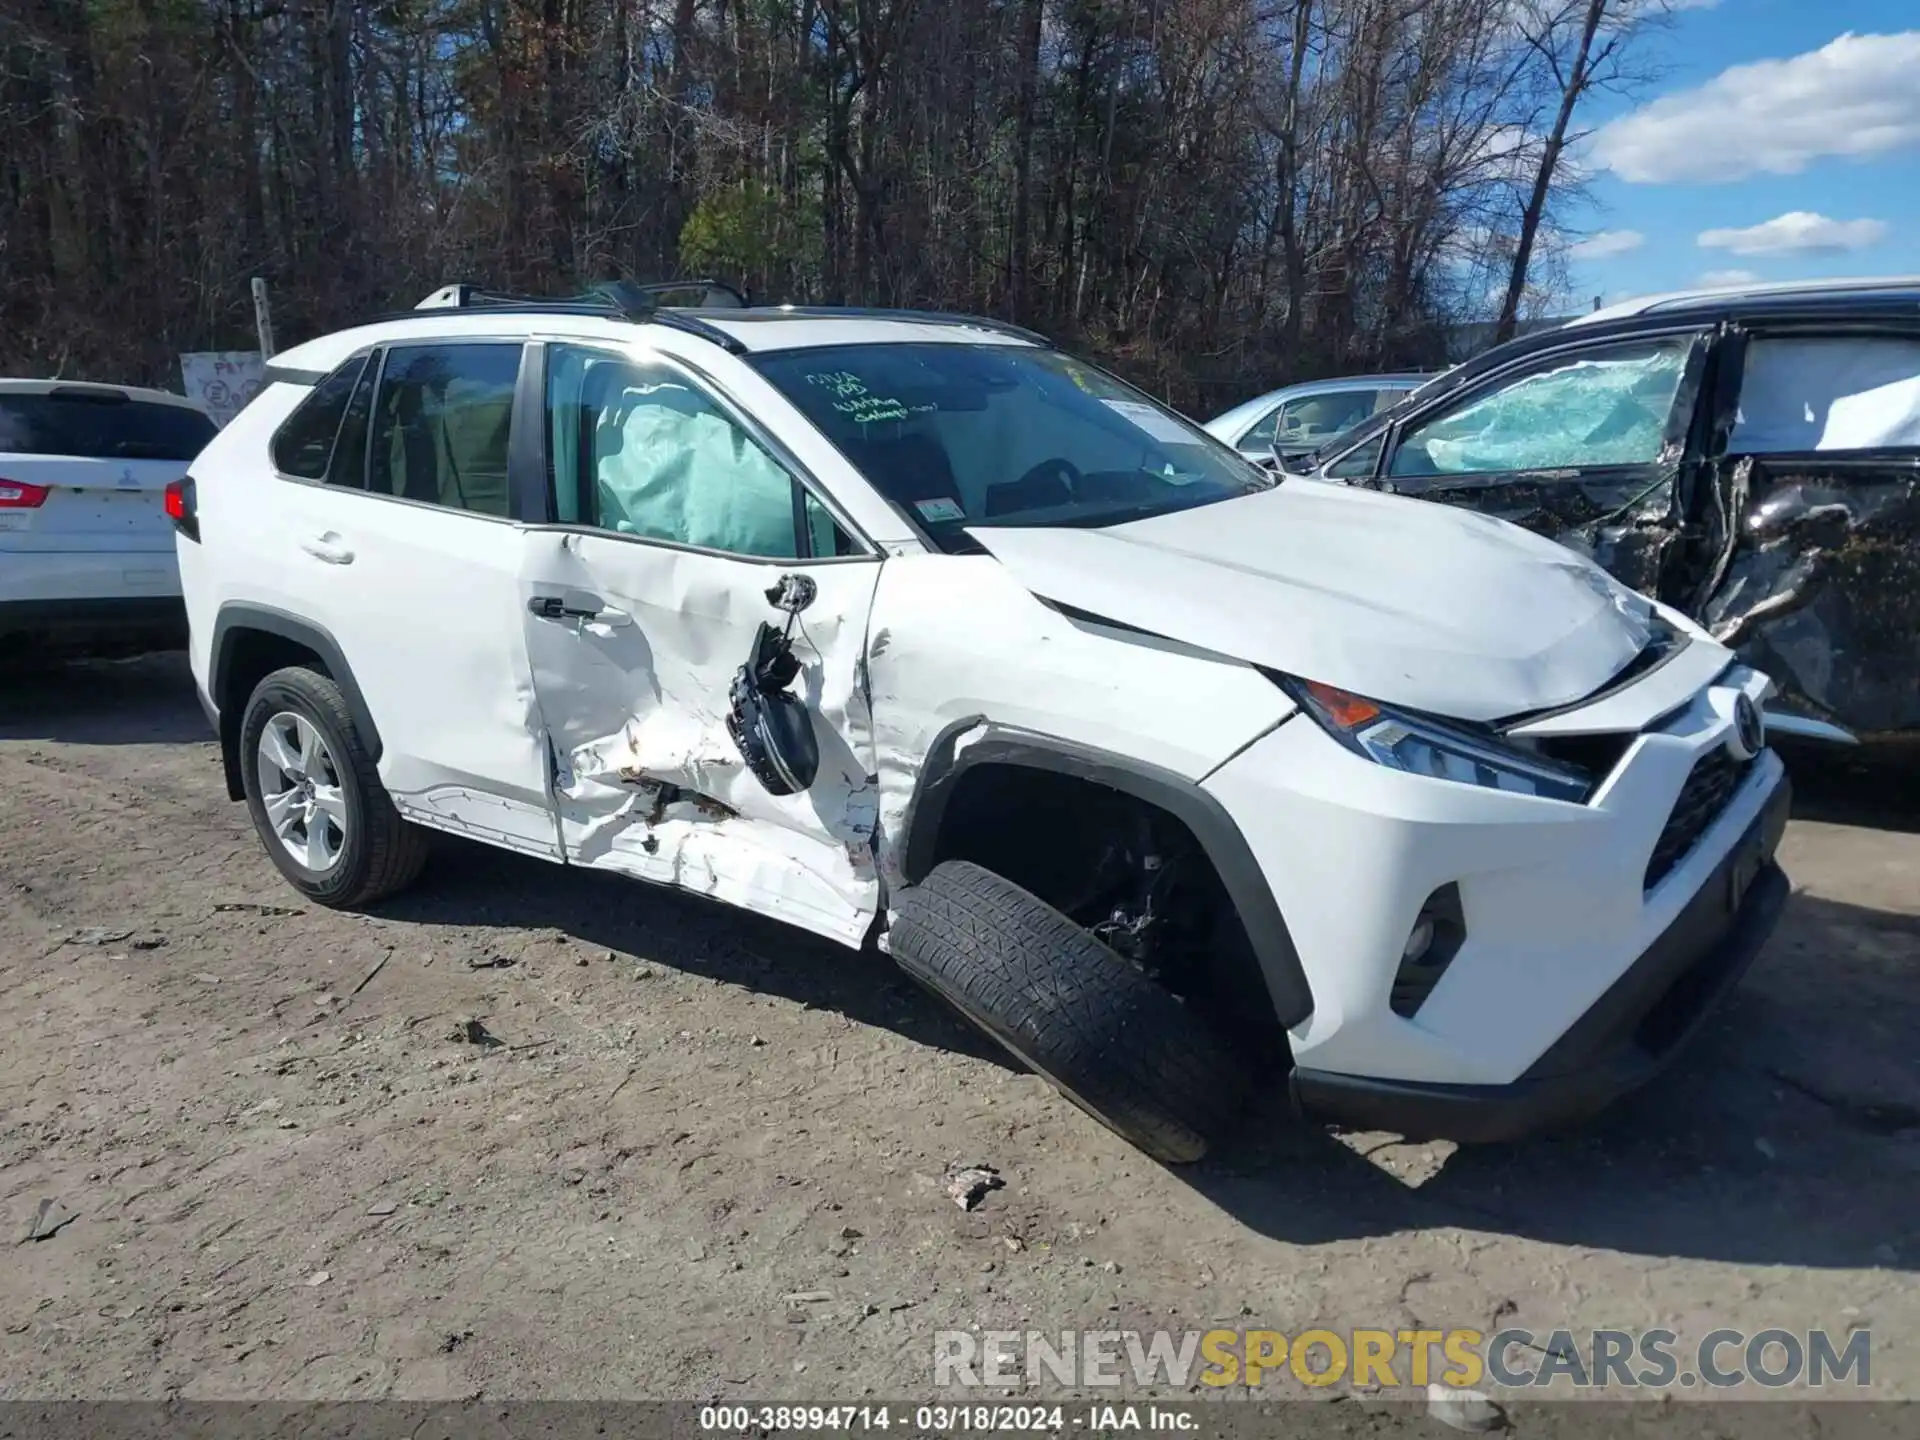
1118,1045
316,798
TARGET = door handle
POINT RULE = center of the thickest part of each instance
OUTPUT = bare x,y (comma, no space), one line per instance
328,547
555,607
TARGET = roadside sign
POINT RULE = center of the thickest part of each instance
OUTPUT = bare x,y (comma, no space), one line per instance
222,380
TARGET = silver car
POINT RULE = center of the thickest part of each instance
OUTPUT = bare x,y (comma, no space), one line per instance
1289,424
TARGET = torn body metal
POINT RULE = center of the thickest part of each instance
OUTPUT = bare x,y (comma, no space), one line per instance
1822,586
631,669
1807,565
1622,523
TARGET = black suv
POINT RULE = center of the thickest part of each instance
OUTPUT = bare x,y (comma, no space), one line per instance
1747,456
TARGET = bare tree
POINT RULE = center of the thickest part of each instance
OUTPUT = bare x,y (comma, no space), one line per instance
1583,46
1212,195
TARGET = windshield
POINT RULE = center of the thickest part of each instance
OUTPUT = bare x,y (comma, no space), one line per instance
969,434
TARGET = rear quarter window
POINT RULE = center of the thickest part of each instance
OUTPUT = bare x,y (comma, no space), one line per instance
303,445
101,426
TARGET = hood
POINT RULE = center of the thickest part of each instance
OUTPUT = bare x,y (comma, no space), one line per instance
1406,601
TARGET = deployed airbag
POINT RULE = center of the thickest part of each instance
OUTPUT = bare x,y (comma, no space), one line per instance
681,472
1830,393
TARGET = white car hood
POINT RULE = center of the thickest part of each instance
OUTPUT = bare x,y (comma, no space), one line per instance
1406,601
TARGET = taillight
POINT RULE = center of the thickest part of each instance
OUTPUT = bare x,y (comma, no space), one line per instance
181,507
19,495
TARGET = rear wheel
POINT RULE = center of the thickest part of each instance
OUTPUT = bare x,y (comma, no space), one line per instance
316,798
1107,1037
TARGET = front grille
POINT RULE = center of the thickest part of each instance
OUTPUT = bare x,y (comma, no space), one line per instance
1716,775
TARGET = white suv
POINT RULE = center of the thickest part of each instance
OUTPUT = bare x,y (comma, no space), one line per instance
909,626
86,555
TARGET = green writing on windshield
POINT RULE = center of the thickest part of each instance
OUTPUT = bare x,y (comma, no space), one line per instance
871,407
852,398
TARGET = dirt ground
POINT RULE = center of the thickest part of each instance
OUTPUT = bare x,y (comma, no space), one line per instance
292,1173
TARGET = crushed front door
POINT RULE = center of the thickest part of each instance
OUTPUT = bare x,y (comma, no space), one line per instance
633,649
1815,576
637,620
1593,447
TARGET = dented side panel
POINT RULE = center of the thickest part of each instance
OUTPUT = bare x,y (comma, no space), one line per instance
646,779
1621,521
958,636
1821,588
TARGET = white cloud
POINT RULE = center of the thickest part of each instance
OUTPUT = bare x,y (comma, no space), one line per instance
1855,96
1798,232
1506,152
1718,279
1606,245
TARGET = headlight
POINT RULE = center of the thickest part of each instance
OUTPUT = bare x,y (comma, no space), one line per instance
1421,745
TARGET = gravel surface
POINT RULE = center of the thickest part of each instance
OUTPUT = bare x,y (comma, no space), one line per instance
529,1132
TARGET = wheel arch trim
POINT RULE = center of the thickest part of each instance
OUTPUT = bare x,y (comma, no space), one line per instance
238,617
990,743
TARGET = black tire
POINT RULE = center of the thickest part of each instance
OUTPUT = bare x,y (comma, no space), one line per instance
381,853
1118,1045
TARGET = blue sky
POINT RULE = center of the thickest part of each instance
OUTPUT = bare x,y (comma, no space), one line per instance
1780,141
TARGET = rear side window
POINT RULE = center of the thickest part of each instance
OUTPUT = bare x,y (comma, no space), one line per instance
304,443
1818,392
100,425
441,419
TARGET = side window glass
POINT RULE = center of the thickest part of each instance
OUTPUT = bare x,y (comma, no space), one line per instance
349,467
639,451
823,531
1359,463
1811,393
1259,440
1316,419
439,426
1599,407
303,445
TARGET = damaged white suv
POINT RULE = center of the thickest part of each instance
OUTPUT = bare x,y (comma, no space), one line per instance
910,627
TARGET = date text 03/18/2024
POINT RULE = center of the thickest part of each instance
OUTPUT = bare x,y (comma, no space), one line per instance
945,1419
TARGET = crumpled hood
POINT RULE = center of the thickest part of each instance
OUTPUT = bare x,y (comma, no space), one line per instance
1406,601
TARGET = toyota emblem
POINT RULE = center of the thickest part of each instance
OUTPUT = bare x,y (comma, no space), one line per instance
1749,735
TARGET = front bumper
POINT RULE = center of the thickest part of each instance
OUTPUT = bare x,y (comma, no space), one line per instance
1623,1041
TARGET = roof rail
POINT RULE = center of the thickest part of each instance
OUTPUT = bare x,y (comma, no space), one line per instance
631,300
620,299
925,317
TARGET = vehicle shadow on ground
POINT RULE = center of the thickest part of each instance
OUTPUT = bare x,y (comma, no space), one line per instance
1787,1133
1875,786
470,884
147,700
